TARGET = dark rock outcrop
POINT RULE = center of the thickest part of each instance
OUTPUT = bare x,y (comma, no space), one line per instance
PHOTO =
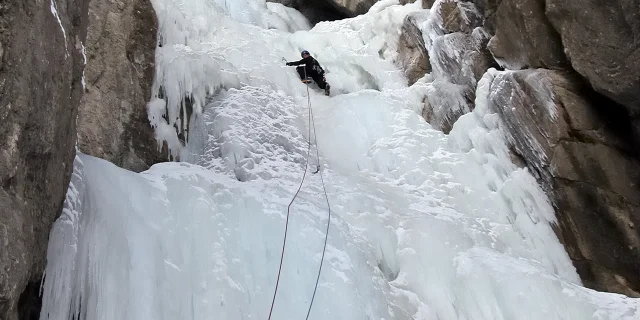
458,16
113,122
577,128
328,10
524,38
352,8
412,53
602,41
488,9
592,170
426,4
40,89
588,167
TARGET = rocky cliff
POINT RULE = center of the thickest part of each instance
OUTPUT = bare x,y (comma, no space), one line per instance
413,55
602,41
456,42
581,154
112,121
40,88
44,46
568,93
587,154
328,10
568,99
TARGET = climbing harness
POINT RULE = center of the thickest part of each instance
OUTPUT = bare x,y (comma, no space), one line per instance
318,69
306,79
286,227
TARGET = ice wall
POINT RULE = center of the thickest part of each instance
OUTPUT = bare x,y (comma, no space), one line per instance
425,225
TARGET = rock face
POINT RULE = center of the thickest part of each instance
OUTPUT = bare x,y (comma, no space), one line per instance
488,8
591,172
601,40
112,121
412,53
458,16
524,38
577,127
589,169
458,56
328,10
352,8
426,4
40,88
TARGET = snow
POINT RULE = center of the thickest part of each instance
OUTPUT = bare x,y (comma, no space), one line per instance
424,226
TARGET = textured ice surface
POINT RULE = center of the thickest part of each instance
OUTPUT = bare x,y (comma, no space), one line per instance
425,225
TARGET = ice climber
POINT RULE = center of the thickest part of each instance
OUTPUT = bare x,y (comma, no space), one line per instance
311,69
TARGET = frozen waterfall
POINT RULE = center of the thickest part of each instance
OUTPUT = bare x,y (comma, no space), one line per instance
425,225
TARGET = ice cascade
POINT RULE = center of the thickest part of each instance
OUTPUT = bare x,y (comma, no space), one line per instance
425,225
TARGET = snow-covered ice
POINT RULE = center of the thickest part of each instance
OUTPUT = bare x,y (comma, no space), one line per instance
425,225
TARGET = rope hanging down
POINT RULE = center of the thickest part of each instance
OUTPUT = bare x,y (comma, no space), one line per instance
326,235
286,227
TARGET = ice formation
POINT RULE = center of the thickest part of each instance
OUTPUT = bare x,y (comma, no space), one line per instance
425,225
84,59
54,12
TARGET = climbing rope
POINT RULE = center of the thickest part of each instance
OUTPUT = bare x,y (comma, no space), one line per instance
286,227
326,234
